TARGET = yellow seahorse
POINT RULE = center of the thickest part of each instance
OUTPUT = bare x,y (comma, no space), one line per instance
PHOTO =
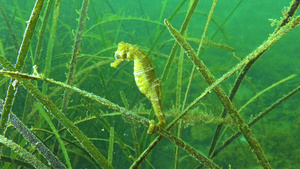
145,78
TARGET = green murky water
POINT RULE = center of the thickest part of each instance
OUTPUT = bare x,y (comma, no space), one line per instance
236,30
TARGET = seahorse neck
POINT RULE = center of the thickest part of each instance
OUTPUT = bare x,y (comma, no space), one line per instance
138,54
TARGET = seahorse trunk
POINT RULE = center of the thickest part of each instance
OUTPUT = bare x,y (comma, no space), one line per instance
149,84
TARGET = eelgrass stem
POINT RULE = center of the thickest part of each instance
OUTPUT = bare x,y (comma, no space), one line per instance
255,120
20,61
42,32
49,105
238,120
23,153
176,45
51,108
294,6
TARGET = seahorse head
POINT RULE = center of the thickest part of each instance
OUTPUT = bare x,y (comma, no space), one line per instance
121,54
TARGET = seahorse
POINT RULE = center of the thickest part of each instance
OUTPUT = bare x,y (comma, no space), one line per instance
145,78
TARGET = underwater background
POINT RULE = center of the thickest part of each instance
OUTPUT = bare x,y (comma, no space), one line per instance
90,115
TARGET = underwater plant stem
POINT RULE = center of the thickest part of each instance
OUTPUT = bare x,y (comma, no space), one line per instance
164,28
238,120
258,53
145,153
206,25
209,17
19,14
27,133
192,73
132,126
266,89
185,146
188,88
160,17
179,79
55,132
255,120
292,11
176,45
78,39
23,153
177,150
49,55
36,142
114,12
74,130
143,15
170,125
75,53
51,43
13,36
16,161
111,145
230,14
28,34
198,52
204,34
20,61
83,140
51,107
177,141
212,151
106,125
178,129
42,32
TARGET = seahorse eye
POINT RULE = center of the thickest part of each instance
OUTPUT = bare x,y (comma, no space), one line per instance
120,55
124,55
117,57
